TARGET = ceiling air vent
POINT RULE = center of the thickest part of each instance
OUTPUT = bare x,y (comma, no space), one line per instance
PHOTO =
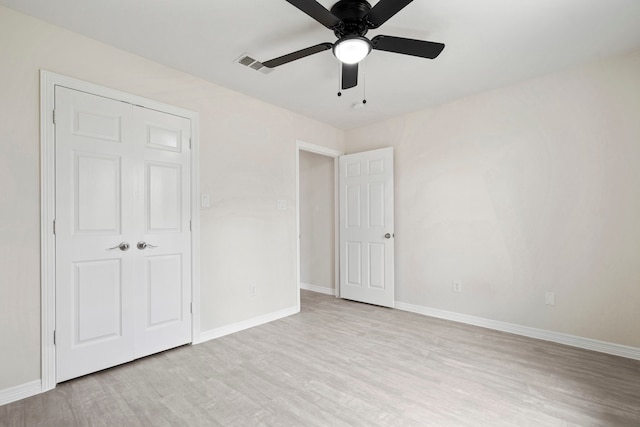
248,61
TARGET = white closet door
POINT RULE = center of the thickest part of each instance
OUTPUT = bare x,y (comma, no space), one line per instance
163,270
122,177
366,227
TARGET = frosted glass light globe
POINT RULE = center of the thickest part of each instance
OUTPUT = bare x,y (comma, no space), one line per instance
351,49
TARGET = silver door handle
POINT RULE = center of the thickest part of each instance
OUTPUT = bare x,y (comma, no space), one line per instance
124,246
387,236
144,245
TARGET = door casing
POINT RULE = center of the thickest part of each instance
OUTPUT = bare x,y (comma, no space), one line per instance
48,81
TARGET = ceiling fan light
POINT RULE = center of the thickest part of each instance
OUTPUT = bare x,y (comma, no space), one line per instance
351,49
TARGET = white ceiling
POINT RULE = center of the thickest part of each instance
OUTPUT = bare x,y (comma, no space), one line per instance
489,44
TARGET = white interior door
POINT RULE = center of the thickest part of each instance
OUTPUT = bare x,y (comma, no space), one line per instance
163,242
122,232
366,227
94,284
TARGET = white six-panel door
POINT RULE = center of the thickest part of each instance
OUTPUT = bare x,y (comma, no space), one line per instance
163,205
366,227
123,287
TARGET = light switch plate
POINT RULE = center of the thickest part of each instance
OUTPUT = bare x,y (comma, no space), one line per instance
205,201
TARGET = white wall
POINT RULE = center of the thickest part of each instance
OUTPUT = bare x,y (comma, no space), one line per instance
523,190
247,163
317,220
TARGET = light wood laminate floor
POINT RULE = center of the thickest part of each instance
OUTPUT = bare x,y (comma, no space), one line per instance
340,363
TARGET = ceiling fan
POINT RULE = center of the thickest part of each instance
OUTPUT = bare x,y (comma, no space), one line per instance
350,20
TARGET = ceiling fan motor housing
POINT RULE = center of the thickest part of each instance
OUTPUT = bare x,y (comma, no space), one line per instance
352,15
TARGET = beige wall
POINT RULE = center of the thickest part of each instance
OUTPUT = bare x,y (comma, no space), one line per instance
317,220
247,163
523,190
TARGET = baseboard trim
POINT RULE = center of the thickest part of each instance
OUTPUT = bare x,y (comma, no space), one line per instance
245,324
571,340
21,391
319,289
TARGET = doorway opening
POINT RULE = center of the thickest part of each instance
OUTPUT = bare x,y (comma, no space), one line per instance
317,219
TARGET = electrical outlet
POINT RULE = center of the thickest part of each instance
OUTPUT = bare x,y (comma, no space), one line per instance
550,298
457,286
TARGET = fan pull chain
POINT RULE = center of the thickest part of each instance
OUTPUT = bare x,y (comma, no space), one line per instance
339,78
364,82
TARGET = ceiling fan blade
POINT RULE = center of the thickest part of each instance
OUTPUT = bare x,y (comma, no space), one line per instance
384,10
349,76
299,54
421,48
317,12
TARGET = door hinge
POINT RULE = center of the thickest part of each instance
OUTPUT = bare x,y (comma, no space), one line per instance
190,227
54,337
191,308
54,117
54,227
189,143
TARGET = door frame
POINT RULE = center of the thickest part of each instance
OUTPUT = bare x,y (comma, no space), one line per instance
48,82
335,154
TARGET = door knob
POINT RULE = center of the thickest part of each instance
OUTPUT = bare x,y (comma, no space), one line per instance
124,246
387,236
144,245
